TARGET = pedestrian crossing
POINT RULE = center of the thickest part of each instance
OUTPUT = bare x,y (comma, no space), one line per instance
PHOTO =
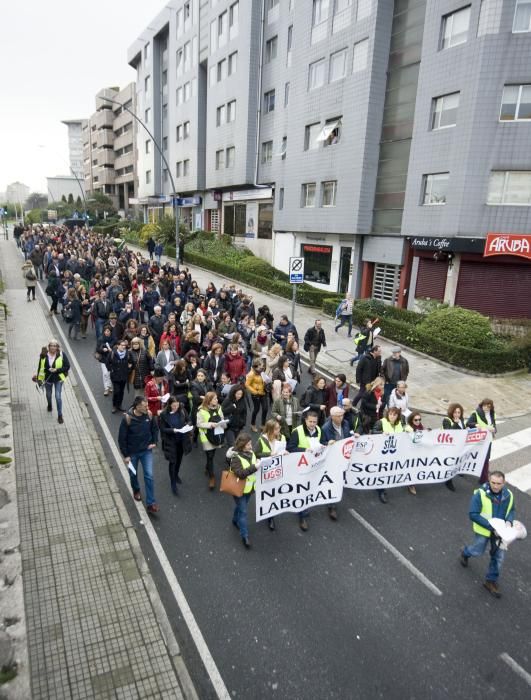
518,475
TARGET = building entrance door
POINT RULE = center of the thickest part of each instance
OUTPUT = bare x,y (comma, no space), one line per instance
344,269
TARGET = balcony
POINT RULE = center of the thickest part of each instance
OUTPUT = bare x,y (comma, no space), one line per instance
104,118
123,140
106,176
124,160
105,137
121,120
106,92
106,156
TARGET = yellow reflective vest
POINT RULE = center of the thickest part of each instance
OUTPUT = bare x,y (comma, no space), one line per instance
58,364
251,479
486,511
303,439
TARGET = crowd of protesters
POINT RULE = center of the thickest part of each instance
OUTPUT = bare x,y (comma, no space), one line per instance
201,367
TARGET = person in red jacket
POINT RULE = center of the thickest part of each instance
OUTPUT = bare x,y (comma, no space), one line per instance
235,364
156,387
336,391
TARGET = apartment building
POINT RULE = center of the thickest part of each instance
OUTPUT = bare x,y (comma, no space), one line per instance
381,141
109,147
75,146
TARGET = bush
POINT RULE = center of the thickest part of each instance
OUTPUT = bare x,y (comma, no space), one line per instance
105,228
147,231
461,327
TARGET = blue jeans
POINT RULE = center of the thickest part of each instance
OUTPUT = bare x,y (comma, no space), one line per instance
345,319
100,322
477,548
58,395
146,459
239,517
388,389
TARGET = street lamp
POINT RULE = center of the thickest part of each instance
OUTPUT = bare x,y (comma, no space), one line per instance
159,149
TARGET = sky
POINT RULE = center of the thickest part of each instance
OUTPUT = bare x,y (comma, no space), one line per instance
54,57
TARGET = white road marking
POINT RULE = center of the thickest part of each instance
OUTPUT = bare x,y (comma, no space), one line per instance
394,551
510,443
524,675
178,594
521,477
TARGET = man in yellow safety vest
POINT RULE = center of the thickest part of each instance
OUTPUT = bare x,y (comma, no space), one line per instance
490,500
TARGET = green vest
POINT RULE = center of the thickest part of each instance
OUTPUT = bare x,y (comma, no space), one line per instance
251,479
264,445
204,414
303,439
486,511
58,365
358,338
483,423
388,427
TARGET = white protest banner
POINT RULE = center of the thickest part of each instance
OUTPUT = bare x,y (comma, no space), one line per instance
292,483
423,457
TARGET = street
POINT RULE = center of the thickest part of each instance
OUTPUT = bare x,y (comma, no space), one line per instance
334,613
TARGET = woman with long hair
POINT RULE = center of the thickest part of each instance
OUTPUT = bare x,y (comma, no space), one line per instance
52,371
172,419
255,384
244,465
209,416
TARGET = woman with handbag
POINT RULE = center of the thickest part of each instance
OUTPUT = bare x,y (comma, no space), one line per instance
209,416
270,444
244,466
174,443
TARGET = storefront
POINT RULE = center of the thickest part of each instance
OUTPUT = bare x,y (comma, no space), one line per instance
248,217
491,275
383,269
190,212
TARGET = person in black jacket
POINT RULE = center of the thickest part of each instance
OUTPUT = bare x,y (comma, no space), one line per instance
314,340
234,408
73,310
119,365
174,443
453,421
314,398
102,309
369,367
214,363
137,437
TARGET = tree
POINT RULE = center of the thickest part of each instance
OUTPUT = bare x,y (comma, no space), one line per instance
63,199
36,200
70,198
79,203
98,203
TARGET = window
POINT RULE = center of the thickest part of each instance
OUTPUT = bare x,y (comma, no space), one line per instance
321,9
330,133
265,220
290,45
317,262
510,187
164,78
165,175
186,130
164,111
147,114
267,152
179,59
328,193
146,83
516,103
179,132
146,52
455,28
444,111
284,147
364,9
233,62
219,159
231,111
179,96
316,74
311,132
386,282
338,65
187,14
148,177
233,20
271,49
179,168
272,11
220,115
187,54
148,146
522,16
179,22
281,198
286,94
186,167
230,157
308,194
223,29
222,69
213,36
212,75
361,54
234,219
435,188
342,5
269,101
187,91
164,143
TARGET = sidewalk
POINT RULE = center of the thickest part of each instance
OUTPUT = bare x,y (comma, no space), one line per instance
94,629
431,385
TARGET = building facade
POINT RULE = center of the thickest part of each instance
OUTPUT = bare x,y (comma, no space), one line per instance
67,186
75,146
109,147
381,141
17,193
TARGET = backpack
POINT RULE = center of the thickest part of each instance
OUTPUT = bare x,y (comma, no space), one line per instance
214,439
31,276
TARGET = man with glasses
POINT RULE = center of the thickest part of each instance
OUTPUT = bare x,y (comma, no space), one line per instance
490,500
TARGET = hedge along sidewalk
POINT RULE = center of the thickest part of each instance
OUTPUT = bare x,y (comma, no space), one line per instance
431,385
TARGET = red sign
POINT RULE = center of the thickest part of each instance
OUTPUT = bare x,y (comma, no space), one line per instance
316,249
508,244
